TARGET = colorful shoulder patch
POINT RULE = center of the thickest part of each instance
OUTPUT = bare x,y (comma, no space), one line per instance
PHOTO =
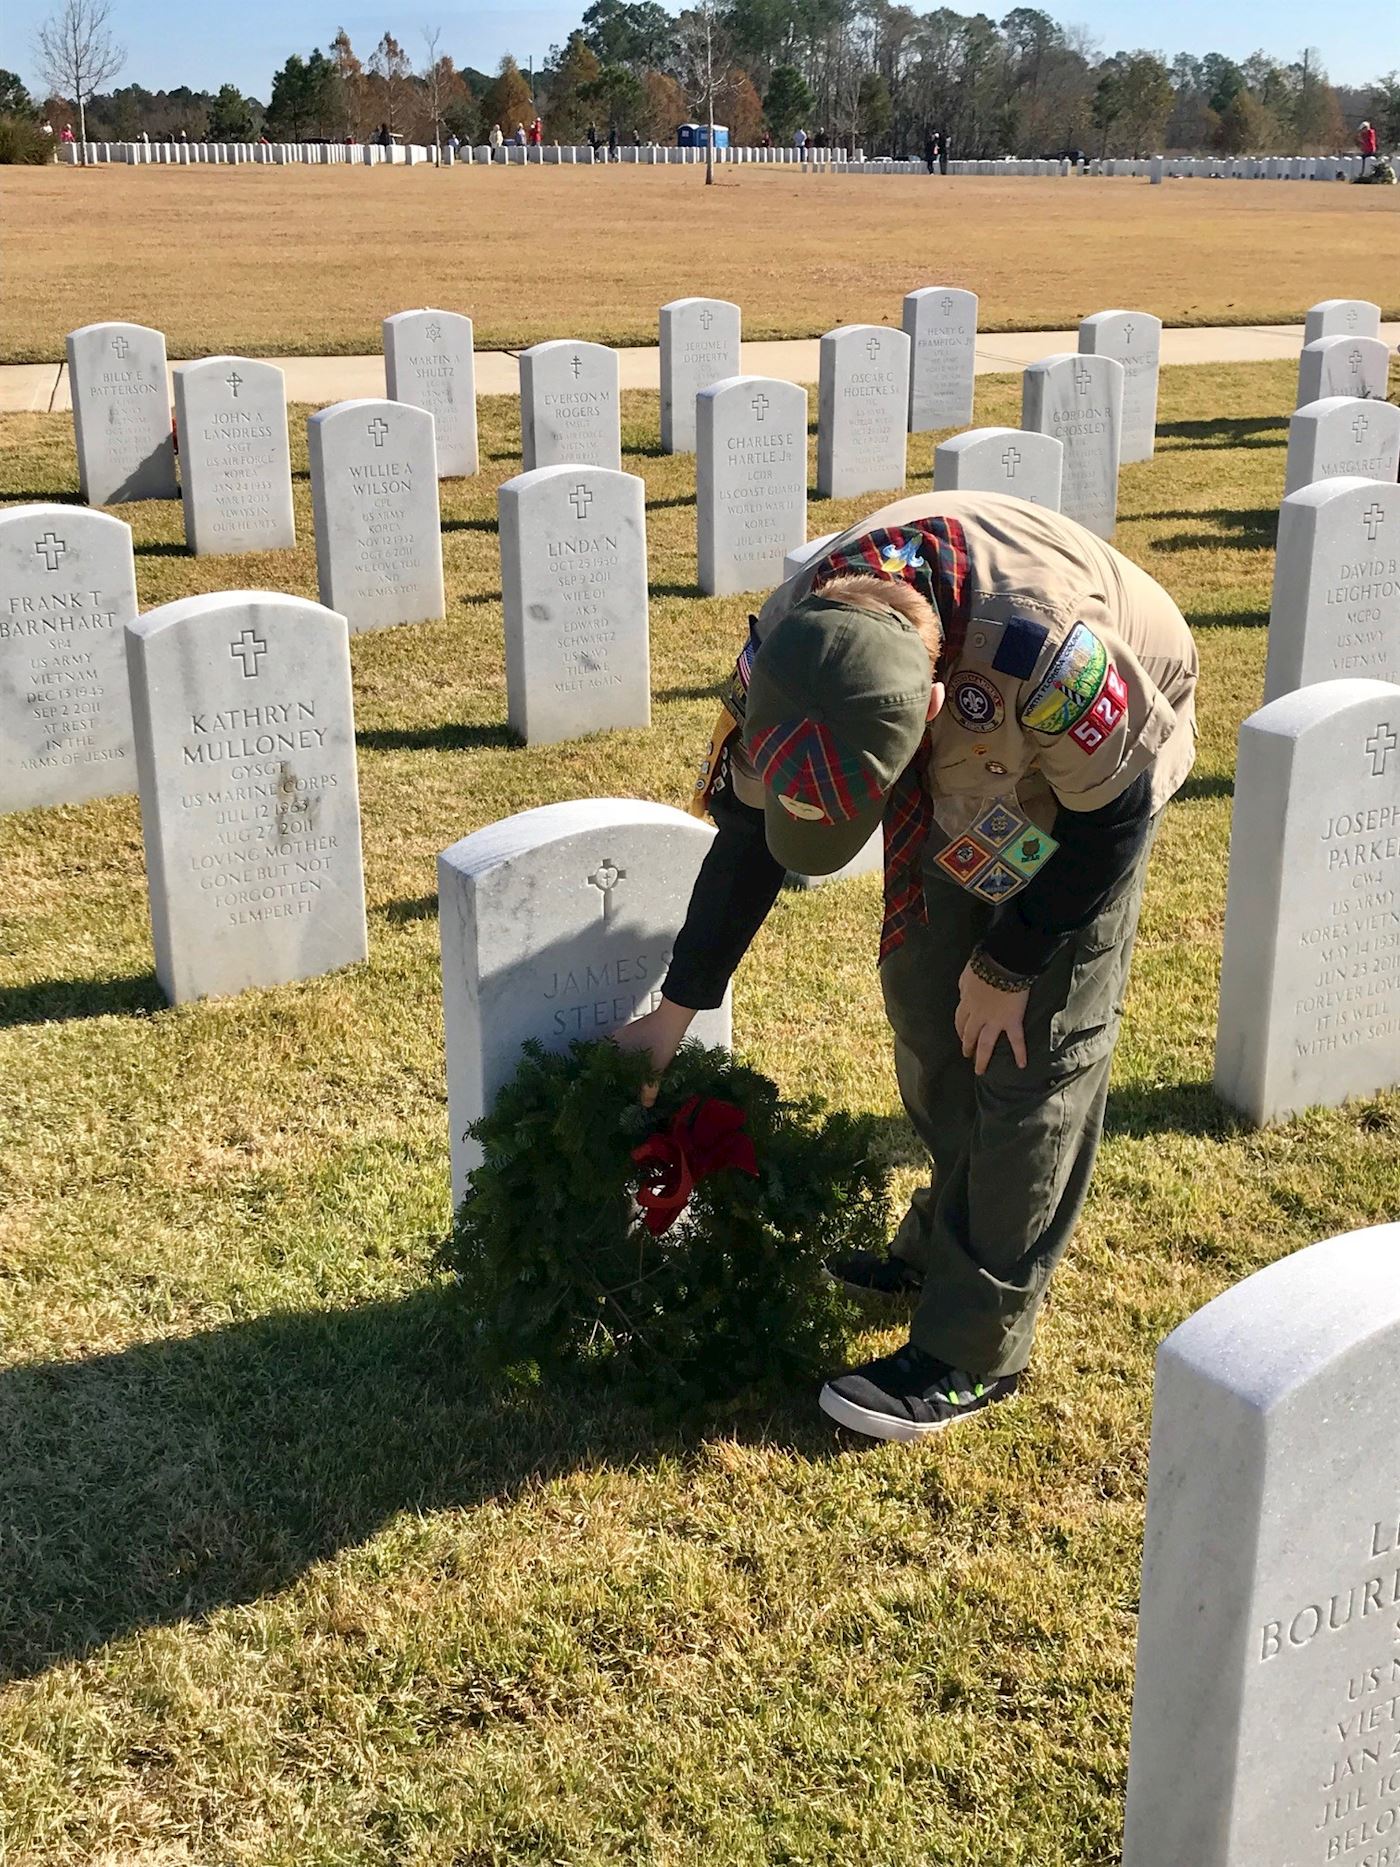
1071,686
1104,715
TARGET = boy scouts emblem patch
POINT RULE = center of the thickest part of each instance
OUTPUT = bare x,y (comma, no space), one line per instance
998,855
1071,686
1104,715
897,559
977,702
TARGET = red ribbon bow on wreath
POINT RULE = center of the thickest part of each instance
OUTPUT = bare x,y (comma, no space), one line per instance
705,1134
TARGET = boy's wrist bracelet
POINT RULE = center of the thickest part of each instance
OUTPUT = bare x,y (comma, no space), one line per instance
985,968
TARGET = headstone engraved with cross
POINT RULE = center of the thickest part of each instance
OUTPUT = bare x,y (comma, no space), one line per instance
235,457
69,583
1078,399
941,325
574,585
1341,436
1349,366
1310,991
750,481
1134,339
1336,596
570,416
121,413
699,346
1342,317
1001,460
245,749
557,925
862,411
429,362
375,503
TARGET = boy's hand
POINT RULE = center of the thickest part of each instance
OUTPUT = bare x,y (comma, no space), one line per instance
985,1015
659,1033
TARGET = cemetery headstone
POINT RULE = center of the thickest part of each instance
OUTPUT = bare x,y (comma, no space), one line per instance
121,413
1002,460
67,592
1264,1713
1342,436
245,750
1336,596
557,924
699,346
1342,317
574,584
569,408
1357,366
863,411
751,481
1309,990
940,322
374,497
1079,401
235,461
1134,339
801,555
429,362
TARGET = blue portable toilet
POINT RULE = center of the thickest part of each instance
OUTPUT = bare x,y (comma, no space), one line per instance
696,135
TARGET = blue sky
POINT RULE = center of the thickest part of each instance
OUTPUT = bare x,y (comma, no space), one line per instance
170,42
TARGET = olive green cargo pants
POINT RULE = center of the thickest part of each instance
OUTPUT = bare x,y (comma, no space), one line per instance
1013,1150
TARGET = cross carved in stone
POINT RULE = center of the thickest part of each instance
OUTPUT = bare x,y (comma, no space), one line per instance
581,498
707,318
51,548
249,649
1373,518
759,405
377,430
1380,745
121,345
1359,428
872,349
1082,379
235,382
1127,333
576,365
1011,459
605,878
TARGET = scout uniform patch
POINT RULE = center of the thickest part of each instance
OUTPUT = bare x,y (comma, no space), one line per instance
1071,685
998,854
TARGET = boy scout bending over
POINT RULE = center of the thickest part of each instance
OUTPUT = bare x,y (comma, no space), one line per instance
1014,700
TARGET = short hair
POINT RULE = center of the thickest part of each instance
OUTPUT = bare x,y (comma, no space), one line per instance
867,590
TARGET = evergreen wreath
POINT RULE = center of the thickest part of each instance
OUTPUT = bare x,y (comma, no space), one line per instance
679,1248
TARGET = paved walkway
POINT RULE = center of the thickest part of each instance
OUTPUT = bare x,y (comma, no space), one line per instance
28,386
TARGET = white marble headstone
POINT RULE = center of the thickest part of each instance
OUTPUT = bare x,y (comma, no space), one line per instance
1330,366
1336,597
245,749
429,362
863,411
121,413
751,481
1309,991
1342,436
570,414
574,584
67,592
558,924
1134,339
699,346
1342,317
940,322
235,461
1018,461
1264,1713
1079,400
374,495
801,556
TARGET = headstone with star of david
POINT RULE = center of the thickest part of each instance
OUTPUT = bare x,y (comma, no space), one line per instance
1002,460
245,753
1309,989
121,413
569,406
1336,596
1134,338
862,411
1079,400
430,362
235,460
750,480
574,587
1328,366
699,346
940,322
1342,435
1342,317
374,496
558,925
67,592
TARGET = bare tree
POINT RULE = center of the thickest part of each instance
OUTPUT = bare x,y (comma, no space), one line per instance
432,84
704,57
77,54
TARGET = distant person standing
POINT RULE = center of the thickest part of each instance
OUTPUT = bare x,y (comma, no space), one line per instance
497,141
67,136
942,153
536,133
800,144
519,136
930,152
636,139
1366,143
593,139
613,155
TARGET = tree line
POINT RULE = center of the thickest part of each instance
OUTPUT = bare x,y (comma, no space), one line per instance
862,71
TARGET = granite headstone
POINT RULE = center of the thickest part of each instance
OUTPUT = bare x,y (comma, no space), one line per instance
1134,339
1079,400
235,461
569,408
374,495
121,413
940,322
1336,597
699,346
751,481
1342,317
1342,436
1357,366
429,362
863,411
1018,461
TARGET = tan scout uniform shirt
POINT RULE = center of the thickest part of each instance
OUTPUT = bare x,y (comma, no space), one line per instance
1111,689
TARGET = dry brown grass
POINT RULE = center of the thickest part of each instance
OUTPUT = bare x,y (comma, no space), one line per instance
307,261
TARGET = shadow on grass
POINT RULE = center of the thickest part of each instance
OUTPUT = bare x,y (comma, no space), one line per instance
709,690
1202,784
469,525
1228,619
675,589
406,910
162,548
53,1001
1253,529
1143,1109
174,1478
46,497
1238,431
452,736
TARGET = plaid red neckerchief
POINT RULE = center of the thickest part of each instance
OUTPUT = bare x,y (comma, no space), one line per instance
804,761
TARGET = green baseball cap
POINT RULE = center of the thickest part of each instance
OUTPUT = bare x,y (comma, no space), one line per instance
837,705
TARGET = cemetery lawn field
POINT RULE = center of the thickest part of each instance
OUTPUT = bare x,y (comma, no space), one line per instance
307,261
285,1583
